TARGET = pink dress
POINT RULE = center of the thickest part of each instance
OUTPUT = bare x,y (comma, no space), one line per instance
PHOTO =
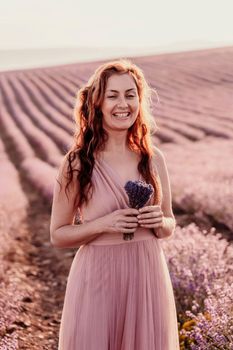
119,294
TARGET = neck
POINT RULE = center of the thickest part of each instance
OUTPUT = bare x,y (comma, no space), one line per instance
117,144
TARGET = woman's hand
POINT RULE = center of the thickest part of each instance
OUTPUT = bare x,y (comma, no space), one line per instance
151,217
121,220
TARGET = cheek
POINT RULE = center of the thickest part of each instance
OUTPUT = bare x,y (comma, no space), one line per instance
135,104
136,107
107,107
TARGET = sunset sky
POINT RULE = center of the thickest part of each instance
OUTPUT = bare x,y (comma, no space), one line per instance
121,23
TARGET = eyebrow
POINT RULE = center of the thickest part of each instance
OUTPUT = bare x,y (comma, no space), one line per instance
132,89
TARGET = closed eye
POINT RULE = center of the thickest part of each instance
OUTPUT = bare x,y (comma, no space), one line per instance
129,96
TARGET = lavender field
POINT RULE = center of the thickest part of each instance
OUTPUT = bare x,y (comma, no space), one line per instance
194,115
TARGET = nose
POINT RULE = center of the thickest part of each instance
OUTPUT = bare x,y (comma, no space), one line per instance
122,102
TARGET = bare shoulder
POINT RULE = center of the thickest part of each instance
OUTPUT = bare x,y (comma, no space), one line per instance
65,163
158,160
63,206
65,167
160,163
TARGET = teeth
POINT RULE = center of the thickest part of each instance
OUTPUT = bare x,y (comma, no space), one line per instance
121,115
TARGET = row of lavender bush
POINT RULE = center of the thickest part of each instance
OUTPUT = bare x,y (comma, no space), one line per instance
201,268
202,178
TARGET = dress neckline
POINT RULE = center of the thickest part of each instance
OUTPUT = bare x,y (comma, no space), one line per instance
116,173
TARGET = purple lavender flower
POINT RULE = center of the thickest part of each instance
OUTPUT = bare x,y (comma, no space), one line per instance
139,192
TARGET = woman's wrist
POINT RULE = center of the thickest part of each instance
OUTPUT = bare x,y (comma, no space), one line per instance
167,229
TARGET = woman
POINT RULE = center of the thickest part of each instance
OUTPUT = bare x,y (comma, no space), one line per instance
119,294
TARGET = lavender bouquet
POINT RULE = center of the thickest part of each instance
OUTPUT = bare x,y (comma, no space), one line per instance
139,192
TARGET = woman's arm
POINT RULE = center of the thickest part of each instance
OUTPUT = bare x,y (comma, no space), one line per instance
169,221
63,233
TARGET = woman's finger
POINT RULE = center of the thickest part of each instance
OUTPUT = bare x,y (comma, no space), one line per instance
130,218
131,224
149,208
127,230
124,224
155,225
150,221
149,215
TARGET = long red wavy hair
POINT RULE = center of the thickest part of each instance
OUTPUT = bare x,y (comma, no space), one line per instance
90,136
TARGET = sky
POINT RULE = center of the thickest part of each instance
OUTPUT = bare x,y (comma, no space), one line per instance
119,23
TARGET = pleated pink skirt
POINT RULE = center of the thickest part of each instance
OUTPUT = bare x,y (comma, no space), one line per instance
119,297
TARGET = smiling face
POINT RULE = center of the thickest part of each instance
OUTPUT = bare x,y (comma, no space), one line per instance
120,105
